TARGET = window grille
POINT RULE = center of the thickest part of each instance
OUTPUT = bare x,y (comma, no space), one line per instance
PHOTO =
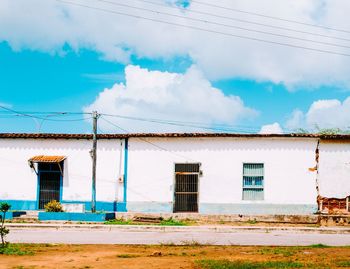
186,187
253,181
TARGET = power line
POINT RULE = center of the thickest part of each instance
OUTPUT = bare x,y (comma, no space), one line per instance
223,24
48,114
192,124
187,10
270,17
206,30
145,140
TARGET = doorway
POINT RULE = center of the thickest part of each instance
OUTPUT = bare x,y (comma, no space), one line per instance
186,187
50,183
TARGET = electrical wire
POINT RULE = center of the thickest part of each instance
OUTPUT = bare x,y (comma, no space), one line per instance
198,125
223,24
182,124
213,127
205,30
29,115
145,140
188,10
269,17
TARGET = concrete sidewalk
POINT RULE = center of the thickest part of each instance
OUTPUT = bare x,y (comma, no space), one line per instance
158,228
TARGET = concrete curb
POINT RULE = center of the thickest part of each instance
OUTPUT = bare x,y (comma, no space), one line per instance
154,228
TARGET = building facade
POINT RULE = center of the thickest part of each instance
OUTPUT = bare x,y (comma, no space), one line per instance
164,173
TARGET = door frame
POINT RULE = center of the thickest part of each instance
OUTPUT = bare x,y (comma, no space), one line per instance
198,186
38,186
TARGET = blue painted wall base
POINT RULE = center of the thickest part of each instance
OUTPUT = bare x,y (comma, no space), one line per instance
227,209
70,216
167,207
100,205
10,215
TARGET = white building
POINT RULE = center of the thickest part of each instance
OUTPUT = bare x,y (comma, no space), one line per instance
205,173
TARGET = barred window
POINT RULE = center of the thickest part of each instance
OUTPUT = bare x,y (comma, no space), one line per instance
253,181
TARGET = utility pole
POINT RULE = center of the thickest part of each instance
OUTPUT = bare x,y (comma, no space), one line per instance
95,116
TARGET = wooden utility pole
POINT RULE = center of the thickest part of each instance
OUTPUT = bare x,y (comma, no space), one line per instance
95,116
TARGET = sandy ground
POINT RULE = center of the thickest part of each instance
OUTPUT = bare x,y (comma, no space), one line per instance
164,257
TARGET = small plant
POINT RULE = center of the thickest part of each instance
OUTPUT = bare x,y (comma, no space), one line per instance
172,222
319,246
252,221
226,264
53,206
4,207
127,256
343,264
17,250
192,243
118,222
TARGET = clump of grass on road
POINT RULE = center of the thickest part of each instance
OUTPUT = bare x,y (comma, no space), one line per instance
17,250
319,246
173,222
226,264
127,256
119,222
345,264
283,251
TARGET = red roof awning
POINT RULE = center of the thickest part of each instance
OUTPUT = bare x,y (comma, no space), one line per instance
47,159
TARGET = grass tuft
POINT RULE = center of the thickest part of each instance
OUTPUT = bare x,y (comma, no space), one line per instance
226,264
172,222
15,250
118,222
283,251
319,246
127,256
343,264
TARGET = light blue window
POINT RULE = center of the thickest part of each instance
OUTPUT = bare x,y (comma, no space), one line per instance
253,181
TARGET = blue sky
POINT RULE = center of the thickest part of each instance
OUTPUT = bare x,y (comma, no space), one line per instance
67,76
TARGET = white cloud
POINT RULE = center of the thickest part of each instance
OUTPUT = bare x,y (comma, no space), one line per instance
330,113
185,97
273,128
50,25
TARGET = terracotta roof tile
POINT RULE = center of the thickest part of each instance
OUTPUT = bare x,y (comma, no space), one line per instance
146,135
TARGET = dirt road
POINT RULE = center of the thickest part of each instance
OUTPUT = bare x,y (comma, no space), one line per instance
171,257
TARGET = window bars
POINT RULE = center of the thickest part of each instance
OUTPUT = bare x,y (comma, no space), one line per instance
253,181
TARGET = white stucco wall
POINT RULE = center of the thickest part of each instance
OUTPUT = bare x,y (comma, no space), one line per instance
334,169
20,181
286,164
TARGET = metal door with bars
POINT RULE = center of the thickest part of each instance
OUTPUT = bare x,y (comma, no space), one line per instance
49,183
186,187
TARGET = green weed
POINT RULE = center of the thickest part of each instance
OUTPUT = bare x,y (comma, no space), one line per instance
225,264
252,221
127,256
172,222
118,222
319,246
343,263
15,250
284,251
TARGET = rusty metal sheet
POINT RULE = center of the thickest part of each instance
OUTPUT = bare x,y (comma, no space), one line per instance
47,159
